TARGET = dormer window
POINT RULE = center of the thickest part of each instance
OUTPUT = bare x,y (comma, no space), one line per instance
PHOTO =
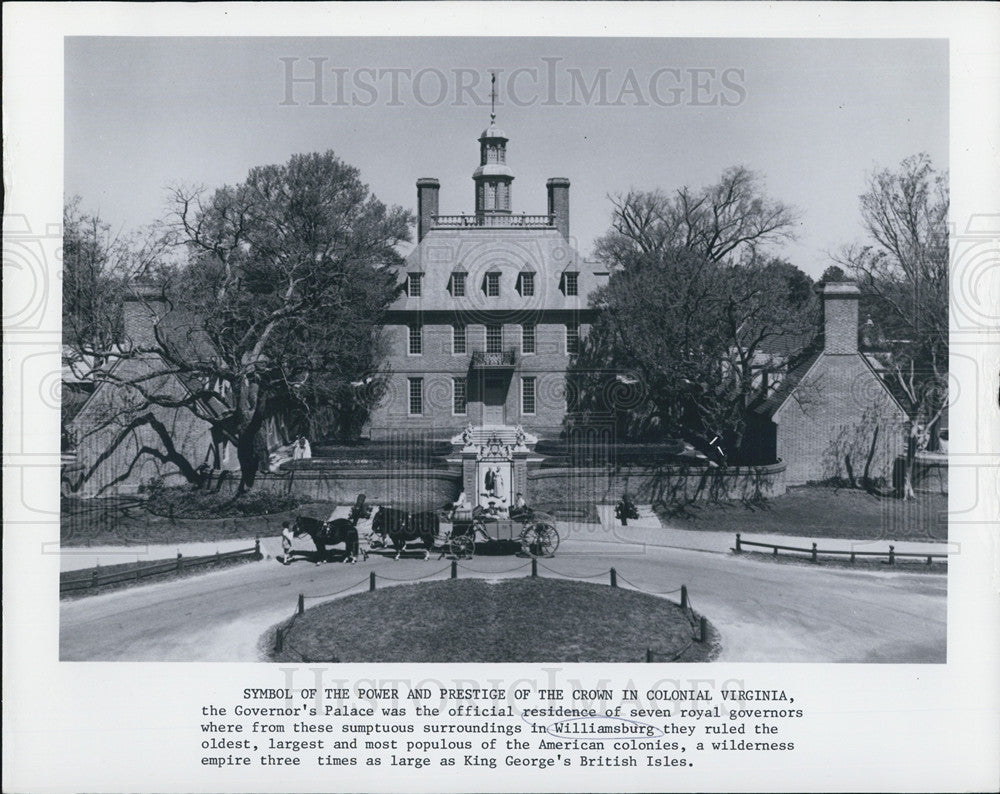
570,284
413,284
526,284
492,285
457,285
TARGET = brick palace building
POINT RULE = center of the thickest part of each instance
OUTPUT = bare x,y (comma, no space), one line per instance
493,310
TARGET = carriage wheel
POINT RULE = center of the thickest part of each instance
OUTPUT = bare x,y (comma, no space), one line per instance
539,540
462,547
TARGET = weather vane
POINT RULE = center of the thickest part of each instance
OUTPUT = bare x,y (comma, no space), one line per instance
493,97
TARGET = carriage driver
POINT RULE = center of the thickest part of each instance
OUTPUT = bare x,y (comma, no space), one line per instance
286,542
520,508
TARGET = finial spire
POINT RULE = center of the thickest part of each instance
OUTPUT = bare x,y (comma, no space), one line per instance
493,98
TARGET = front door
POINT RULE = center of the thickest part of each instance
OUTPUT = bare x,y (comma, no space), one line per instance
494,397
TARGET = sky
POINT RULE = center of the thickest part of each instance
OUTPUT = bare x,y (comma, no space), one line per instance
813,117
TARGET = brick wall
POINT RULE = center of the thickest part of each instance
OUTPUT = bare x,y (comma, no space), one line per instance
437,365
113,460
839,415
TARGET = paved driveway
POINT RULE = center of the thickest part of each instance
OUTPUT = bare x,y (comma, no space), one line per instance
765,612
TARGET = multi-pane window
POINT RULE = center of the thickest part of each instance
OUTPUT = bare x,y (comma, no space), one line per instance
492,285
572,339
416,396
571,283
458,338
527,284
494,338
527,339
458,392
416,340
413,284
458,285
527,395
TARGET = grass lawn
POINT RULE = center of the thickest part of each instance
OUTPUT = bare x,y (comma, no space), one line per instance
473,620
126,522
816,511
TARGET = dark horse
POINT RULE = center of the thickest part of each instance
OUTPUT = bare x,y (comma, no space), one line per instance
402,528
329,533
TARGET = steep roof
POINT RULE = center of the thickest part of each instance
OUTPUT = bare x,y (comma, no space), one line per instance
769,406
509,251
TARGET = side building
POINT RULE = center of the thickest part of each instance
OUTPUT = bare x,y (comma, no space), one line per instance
493,308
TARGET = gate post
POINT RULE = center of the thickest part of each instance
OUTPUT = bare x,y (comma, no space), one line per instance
534,567
684,596
738,547
814,553
371,581
614,578
892,554
302,603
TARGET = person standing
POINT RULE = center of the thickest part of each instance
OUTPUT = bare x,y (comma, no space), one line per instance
287,536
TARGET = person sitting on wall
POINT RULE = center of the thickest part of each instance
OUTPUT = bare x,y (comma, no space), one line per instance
302,449
520,509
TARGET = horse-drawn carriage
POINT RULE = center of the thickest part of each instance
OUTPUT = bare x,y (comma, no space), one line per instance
450,531
533,530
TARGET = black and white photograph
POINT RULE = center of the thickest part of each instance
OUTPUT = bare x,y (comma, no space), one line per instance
501,397
548,333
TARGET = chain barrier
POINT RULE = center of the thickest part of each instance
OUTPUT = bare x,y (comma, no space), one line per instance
483,570
600,575
416,578
338,592
282,643
648,592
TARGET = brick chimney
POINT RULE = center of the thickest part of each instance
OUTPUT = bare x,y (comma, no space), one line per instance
840,317
558,189
427,204
144,306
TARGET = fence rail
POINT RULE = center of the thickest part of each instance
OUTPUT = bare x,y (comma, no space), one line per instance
96,579
814,552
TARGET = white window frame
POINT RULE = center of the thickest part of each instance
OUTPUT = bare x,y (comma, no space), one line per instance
534,394
410,338
465,401
456,331
490,279
409,396
534,339
578,340
488,327
463,277
414,279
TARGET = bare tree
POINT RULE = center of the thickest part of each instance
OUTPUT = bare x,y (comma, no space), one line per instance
904,270
278,307
729,220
